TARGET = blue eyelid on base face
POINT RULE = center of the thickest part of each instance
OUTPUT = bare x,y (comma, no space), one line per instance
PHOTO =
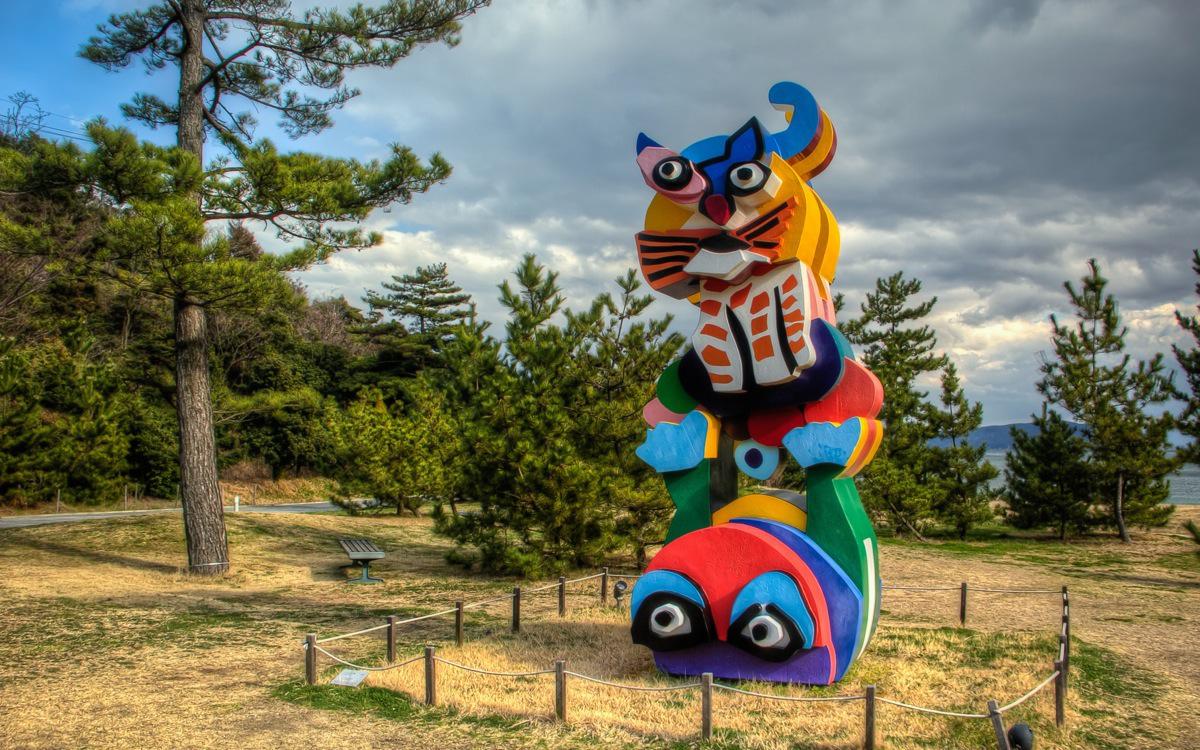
658,581
781,590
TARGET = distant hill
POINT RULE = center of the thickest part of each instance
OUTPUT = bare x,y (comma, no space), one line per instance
996,436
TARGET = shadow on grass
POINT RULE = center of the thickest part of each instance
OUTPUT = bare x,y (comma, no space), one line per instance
67,550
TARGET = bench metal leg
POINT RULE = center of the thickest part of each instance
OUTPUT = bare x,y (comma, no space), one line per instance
366,574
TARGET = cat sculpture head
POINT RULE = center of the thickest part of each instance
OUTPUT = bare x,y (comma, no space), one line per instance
729,206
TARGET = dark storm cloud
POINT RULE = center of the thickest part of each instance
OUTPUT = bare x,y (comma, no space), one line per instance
987,148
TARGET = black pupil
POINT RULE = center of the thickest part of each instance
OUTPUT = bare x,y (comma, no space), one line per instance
758,632
745,174
670,169
663,618
754,458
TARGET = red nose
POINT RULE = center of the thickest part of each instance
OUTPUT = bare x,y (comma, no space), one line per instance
716,208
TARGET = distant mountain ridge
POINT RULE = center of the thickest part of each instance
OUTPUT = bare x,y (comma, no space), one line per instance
997,436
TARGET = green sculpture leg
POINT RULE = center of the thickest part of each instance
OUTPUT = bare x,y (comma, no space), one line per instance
699,491
838,524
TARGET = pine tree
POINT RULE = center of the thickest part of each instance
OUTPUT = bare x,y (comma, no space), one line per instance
427,302
1047,478
410,325
1094,380
900,483
963,474
1189,361
550,421
260,52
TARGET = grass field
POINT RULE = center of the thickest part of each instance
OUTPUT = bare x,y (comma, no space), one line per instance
104,643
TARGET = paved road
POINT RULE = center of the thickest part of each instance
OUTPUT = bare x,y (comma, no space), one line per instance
12,522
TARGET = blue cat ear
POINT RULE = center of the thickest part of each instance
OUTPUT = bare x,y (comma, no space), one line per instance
644,142
748,143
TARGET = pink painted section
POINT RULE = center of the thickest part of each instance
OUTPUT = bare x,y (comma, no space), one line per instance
650,157
654,412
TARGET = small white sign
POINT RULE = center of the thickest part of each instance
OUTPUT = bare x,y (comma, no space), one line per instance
350,677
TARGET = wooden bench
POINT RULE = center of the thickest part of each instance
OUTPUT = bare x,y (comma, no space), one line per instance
361,552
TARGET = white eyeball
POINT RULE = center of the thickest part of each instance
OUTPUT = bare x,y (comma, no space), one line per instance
668,620
670,170
747,178
765,631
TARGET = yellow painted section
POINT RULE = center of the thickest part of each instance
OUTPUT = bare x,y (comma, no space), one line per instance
762,506
713,436
665,215
805,166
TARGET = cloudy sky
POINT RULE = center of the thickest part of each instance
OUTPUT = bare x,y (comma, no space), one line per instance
986,148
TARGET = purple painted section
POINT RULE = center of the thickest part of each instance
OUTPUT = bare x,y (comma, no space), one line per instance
731,663
842,596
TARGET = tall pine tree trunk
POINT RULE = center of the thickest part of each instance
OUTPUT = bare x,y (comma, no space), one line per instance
203,514
1120,509
200,495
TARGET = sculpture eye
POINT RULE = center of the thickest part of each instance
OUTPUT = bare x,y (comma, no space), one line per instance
673,173
669,619
665,621
767,632
746,178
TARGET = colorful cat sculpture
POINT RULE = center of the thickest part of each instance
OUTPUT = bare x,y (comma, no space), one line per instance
769,585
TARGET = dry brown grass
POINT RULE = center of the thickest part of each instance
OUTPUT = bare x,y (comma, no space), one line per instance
104,643
252,492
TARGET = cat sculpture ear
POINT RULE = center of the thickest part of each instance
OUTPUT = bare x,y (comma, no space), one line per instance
802,113
669,173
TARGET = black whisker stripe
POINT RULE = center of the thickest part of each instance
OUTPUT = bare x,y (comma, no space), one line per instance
666,238
663,273
788,357
765,243
646,249
765,217
666,251
760,231
680,259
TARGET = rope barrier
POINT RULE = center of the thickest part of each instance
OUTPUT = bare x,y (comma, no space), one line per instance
364,631
793,698
919,588
489,672
1031,693
933,710
1017,591
429,616
485,602
368,669
635,688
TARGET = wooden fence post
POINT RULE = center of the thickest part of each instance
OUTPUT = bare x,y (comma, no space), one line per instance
458,623
869,719
1066,636
998,725
962,605
516,609
1060,715
430,676
1064,654
604,585
391,639
560,690
310,658
562,596
706,682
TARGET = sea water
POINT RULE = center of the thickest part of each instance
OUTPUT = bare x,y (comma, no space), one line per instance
1185,483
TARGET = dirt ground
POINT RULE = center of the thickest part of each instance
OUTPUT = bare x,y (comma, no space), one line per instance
105,644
